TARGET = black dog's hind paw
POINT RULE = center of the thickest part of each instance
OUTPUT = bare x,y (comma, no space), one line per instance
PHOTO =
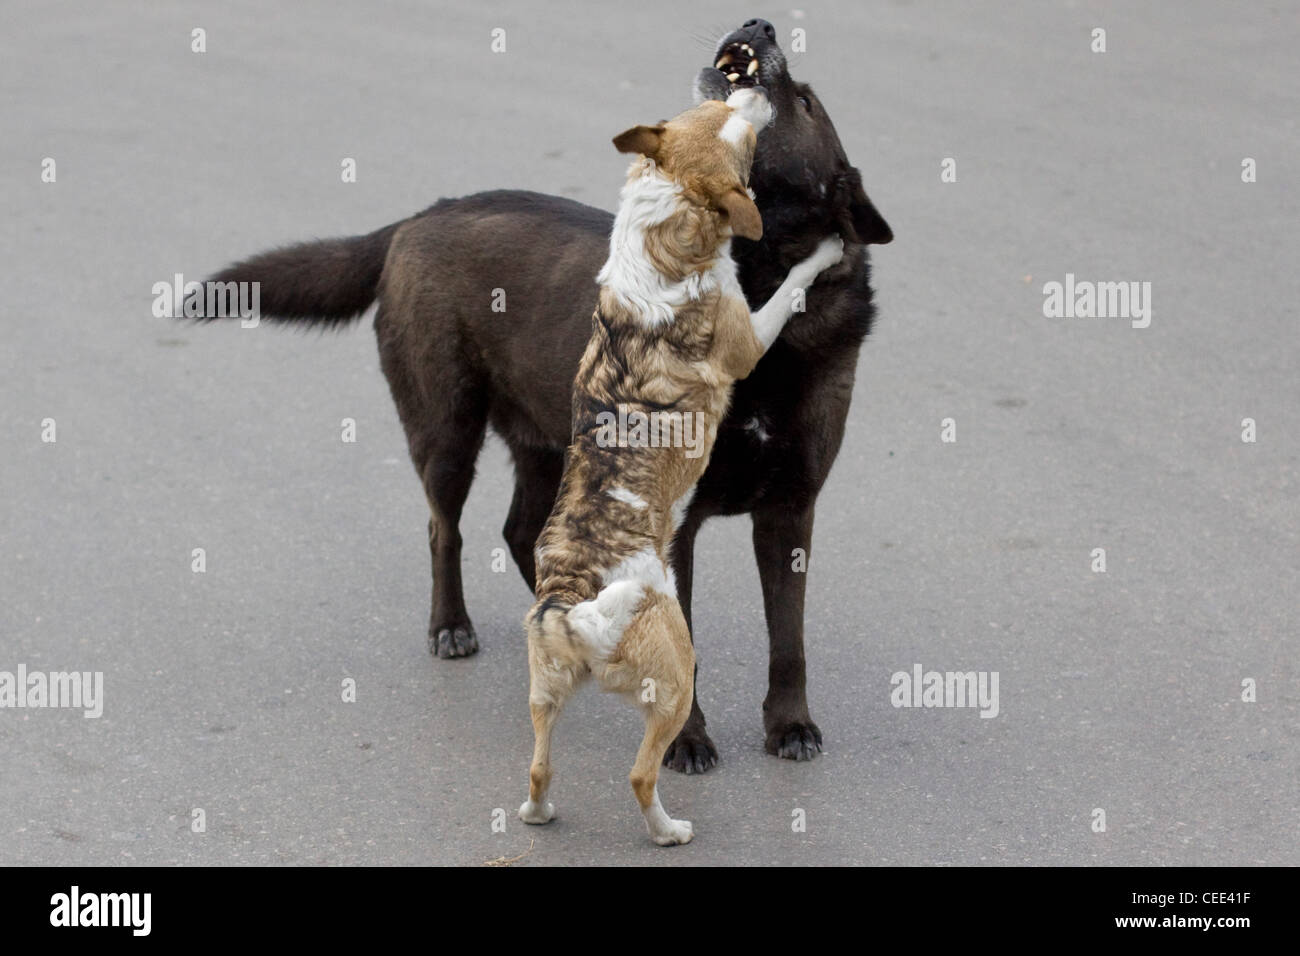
458,641
691,752
794,740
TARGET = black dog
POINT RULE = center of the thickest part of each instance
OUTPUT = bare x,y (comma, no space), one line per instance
456,366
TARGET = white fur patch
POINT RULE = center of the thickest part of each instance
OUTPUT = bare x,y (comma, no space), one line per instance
646,570
628,497
735,129
537,813
602,620
664,830
751,106
629,274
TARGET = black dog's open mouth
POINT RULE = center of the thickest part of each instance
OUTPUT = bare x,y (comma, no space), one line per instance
739,64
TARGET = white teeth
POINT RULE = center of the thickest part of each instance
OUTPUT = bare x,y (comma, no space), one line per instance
725,62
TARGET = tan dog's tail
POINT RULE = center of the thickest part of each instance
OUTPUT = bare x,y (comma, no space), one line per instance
588,631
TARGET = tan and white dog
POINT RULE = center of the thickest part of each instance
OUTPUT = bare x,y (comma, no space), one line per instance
671,333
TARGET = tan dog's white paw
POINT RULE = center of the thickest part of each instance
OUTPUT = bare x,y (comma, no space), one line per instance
537,814
675,834
828,253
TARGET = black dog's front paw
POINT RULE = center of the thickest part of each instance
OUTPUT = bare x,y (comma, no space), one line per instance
457,641
691,752
794,740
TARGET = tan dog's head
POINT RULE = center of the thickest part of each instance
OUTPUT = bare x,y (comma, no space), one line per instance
707,152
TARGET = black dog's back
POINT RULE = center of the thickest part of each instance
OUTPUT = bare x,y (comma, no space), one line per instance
485,305
496,291
334,281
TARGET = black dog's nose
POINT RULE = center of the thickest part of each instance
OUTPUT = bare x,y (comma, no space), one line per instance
757,26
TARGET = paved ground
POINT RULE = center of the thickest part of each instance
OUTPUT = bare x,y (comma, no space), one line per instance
1120,691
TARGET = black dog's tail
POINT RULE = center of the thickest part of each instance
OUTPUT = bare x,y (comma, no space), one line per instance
327,282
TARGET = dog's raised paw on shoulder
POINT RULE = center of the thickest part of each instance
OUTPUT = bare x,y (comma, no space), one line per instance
828,253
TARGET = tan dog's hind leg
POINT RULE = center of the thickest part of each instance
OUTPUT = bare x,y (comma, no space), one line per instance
550,684
537,809
658,647
659,733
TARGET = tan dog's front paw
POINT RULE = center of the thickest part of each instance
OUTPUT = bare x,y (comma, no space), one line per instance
828,253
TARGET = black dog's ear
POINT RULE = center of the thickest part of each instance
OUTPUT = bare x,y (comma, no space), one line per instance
858,219
640,139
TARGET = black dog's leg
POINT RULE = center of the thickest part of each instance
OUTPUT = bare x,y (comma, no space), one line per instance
537,479
445,430
692,751
778,532
448,473
444,447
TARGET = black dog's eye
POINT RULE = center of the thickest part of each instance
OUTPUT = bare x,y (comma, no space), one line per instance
807,104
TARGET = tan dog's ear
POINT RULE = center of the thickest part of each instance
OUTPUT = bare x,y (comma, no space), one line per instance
640,139
742,214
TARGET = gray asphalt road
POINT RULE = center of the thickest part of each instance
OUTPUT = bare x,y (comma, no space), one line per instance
1119,691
